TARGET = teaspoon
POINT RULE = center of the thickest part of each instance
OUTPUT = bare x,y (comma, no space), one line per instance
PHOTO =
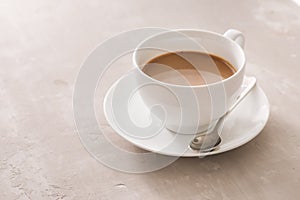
209,141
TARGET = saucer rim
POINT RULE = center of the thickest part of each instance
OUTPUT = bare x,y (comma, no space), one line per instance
192,153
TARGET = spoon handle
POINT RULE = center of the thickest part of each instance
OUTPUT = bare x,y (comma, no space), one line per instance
250,83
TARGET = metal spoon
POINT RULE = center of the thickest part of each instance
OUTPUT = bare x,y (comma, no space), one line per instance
209,141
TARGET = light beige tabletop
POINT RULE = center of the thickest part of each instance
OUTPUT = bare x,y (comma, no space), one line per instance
43,44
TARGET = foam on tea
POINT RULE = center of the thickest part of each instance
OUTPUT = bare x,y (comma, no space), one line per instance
189,68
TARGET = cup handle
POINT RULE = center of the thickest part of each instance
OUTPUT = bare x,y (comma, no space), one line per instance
236,36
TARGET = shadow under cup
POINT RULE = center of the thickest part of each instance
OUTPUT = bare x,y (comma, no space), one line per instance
189,109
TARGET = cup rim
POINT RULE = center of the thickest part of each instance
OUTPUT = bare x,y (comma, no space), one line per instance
190,86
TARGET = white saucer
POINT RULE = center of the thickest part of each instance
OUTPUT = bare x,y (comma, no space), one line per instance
243,124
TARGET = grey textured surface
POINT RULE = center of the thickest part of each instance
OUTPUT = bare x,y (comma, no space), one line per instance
43,44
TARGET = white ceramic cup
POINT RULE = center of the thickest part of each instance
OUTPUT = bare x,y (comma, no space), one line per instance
190,109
